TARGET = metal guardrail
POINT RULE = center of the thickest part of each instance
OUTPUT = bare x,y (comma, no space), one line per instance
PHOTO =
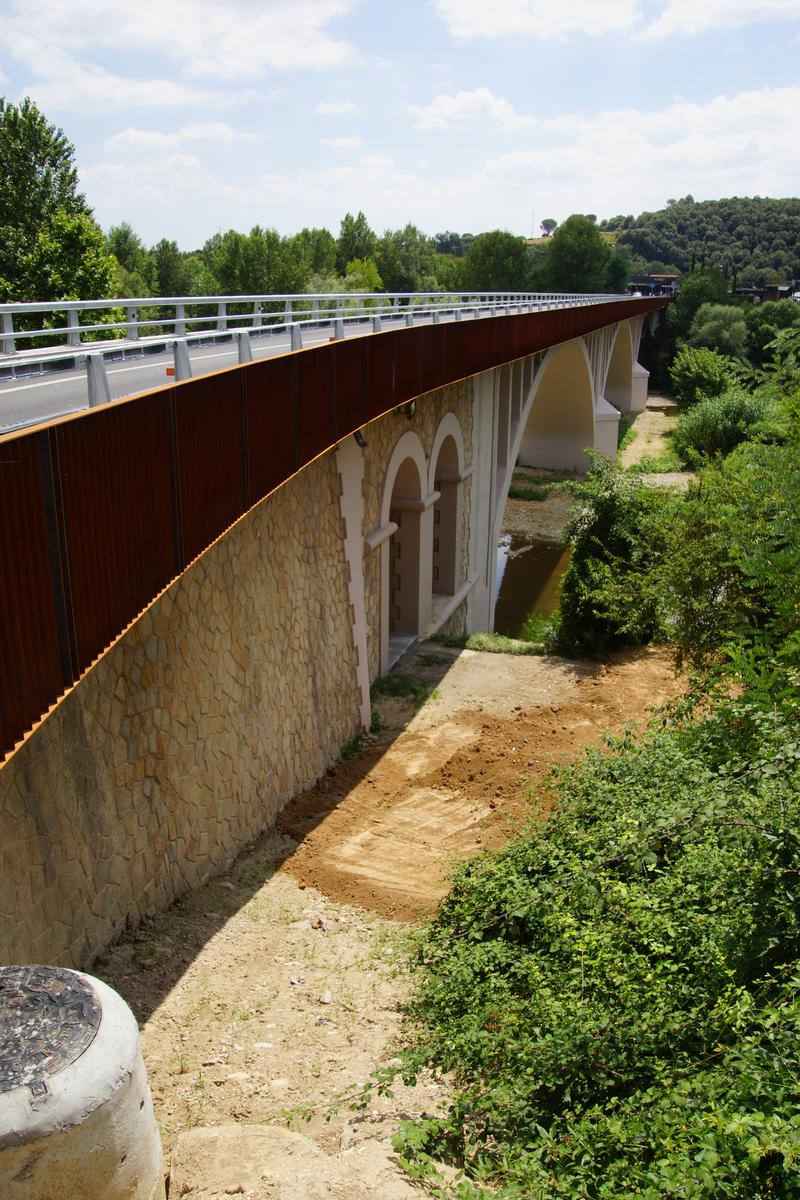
268,315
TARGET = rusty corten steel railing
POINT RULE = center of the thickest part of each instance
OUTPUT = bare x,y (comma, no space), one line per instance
101,510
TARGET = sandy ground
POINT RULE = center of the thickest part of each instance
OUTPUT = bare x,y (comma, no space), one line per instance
266,998
279,985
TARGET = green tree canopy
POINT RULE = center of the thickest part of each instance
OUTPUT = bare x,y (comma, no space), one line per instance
356,240
50,249
699,287
719,327
67,261
577,258
495,262
548,225
362,276
763,322
317,248
404,258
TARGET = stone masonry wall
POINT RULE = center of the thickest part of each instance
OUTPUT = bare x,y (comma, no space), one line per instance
228,696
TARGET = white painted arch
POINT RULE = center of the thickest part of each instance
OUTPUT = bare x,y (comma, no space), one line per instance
558,422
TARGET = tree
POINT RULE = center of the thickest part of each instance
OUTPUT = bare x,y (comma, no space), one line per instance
356,240
317,248
719,327
495,262
577,257
697,288
40,204
547,226
362,276
618,271
67,261
763,322
404,258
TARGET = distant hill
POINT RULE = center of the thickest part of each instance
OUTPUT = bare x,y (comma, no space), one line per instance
756,239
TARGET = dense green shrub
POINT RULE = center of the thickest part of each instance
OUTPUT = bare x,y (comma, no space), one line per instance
718,423
719,327
698,372
616,994
617,531
763,323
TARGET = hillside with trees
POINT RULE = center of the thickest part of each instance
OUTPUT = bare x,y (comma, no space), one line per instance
755,239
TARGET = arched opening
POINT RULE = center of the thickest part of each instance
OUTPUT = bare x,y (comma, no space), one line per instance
405,510
619,382
405,550
560,424
446,572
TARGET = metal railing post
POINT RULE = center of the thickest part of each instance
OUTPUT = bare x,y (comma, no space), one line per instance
183,364
436,317
287,311
97,379
7,340
73,328
409,317
338,329
132,330
296,336
180,320
245,349
377,327
257,319
458,315
222,316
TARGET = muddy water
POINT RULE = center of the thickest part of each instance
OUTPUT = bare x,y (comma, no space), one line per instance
529,572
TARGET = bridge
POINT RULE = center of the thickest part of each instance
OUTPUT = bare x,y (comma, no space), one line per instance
202,580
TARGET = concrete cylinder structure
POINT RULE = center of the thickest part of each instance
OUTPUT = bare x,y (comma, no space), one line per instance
76,1116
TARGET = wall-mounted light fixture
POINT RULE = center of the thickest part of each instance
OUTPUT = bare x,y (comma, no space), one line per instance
360,439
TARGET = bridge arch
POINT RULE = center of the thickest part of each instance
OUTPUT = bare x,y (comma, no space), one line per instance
446,478
560,420
406,555
619,380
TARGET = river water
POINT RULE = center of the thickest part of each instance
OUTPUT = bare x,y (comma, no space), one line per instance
529,573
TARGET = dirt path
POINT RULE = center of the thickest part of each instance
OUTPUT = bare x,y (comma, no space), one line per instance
277,985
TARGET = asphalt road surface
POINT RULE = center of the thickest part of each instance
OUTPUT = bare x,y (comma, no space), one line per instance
40,397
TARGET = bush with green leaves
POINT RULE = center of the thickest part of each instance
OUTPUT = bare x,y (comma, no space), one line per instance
617,995
697,372
716,424
719,327
617,530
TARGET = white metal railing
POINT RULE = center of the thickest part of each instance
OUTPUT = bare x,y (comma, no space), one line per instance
265,310
263,315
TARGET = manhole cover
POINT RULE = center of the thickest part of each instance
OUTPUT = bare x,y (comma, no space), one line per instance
48,1017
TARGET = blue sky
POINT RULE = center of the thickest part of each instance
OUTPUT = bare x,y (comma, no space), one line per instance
190,116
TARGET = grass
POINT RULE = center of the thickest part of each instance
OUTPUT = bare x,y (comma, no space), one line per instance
493,643
626,431
658,464
410,686
529,484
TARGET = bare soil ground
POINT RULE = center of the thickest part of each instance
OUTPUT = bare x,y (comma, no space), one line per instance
279,984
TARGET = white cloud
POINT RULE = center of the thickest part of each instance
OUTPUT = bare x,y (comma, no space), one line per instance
543,19
224,41
342,143
337,108
444,110
687,17
536,18
65,83
733,145
194,131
